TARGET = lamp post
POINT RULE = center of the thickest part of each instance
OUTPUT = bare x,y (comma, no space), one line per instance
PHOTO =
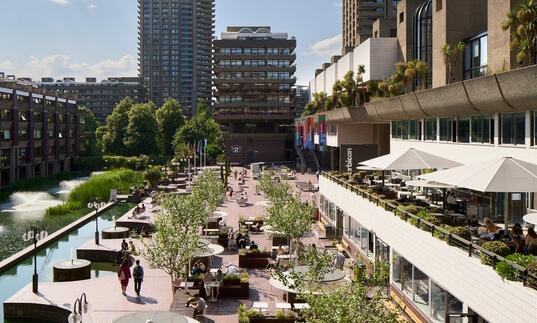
96,205
36,234
79,314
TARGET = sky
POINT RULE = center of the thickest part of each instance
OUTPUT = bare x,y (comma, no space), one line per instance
98,38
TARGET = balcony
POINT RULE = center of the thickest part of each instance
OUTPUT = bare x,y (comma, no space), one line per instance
257,115
243,68
290,80
287,57
451,261
253,104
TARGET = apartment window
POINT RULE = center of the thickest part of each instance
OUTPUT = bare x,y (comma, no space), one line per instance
23,116
513,128
37,134
430,129
445,129
5,115
423,30
475,56
6,134
481,129
23,134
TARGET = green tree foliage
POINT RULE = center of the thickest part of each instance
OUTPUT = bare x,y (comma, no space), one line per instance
450,56
201,126
113,135
90,147
153,175
522,21
169,118
141,130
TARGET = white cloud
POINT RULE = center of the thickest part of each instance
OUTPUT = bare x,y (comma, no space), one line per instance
91,6
59,66
7,67
60,1
326,47
337,4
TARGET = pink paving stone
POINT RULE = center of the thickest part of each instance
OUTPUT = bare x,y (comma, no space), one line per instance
104,293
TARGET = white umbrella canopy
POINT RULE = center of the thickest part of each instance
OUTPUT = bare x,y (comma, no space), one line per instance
410,159
425,183
504,174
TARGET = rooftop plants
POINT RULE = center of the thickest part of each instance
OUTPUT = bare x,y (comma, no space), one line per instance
522,23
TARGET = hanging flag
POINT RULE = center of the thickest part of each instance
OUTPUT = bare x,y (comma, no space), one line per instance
194,149
188,150
205,141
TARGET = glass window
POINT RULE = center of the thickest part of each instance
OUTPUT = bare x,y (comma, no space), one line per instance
513,128
421,294
422,26
463,129
534,127
481,129
413,130
406,277
363,240
396,271
438,302
445,129
475,57
430,129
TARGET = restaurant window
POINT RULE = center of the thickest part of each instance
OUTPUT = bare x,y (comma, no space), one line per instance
534,127
421,290
475,56
414,129
364,239
406,277
463,129
396,271
513,128
481,129
445,129
430,129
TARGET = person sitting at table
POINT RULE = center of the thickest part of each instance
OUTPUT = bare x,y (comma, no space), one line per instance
517,236
197,270
339,261
472,225
219,277
490,232
530,245
451,201
253,246
144,232
231,269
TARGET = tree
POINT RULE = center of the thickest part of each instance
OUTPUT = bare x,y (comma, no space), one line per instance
362,299
522,22
169,118
200,127
87,117
450,56
153,175
210,191
116,128
176,241
141,130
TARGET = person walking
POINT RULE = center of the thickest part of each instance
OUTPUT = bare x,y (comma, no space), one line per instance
124,274
138,275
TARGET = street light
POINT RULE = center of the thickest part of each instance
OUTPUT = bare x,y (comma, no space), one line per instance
36,234
80,308
96,205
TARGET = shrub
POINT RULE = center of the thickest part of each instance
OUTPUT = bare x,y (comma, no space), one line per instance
506,271
243,314
441,235
532,268
253,314
497,247
429,218
153,175
411,208
462,232
63,209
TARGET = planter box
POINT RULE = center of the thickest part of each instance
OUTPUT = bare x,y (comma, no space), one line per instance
279,241
258,260
236,289
222,240
271,320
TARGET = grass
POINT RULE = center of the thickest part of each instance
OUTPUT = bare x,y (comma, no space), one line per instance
98,186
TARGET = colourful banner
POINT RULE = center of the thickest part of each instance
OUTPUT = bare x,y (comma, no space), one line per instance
321,123
297,132
304,132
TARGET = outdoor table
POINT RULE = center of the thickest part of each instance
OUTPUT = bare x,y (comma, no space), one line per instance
212,285
530,218
283,306
214,270
249,224
301,306
262,306
211,230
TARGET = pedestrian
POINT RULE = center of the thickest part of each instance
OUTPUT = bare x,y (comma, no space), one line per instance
124,274
138,275
199,305
235,174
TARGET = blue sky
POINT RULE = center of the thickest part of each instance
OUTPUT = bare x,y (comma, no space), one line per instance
98,38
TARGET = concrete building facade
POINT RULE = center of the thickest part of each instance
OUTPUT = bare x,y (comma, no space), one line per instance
39,131
175,50
100,97
359,16
254,93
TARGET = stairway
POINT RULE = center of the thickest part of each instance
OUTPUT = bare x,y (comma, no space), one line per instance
310,160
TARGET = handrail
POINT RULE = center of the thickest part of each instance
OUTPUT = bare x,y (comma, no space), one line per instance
468,244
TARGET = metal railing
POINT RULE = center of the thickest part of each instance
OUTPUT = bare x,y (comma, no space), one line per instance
453,240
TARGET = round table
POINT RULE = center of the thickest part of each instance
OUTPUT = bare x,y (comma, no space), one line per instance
156,317
212,286
530,218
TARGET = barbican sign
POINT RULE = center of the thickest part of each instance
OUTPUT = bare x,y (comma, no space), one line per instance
350,156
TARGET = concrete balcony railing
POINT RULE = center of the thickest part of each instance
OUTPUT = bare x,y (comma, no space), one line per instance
510,91
454,265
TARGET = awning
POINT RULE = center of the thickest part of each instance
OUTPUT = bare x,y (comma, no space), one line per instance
410,159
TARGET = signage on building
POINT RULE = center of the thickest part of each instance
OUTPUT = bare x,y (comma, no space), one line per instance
350,156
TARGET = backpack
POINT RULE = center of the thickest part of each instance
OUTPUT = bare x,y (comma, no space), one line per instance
138,272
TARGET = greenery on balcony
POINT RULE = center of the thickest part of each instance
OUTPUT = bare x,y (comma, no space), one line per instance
514,267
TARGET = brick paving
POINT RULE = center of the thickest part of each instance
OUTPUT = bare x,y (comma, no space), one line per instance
104,293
